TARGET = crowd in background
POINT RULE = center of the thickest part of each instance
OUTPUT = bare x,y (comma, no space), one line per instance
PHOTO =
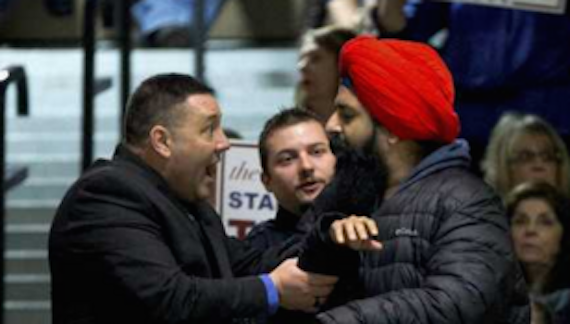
512,74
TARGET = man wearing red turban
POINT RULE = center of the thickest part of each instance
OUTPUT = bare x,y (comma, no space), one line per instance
405,86
445,255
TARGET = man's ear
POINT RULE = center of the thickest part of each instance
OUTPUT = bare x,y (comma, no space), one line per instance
266,180
393,139
161,140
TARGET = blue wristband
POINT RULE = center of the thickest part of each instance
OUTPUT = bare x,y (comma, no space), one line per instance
272,293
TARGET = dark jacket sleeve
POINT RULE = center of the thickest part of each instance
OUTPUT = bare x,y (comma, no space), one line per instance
247,259
319,254
471,277
115,233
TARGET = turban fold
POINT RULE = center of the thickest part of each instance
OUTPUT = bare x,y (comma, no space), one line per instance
404,85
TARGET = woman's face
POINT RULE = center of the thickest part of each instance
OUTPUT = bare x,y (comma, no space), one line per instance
536,232
319,71
534,158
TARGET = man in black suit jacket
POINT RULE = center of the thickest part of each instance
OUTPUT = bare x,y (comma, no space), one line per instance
134,241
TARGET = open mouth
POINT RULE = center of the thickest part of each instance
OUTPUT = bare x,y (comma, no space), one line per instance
310,186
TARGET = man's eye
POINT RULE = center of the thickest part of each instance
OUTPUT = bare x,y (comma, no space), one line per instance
284,159
318,151
210,129
346,115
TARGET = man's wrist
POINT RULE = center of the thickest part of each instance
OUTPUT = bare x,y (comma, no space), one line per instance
271,292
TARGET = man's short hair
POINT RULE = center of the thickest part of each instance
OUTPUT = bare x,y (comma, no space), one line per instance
285,118
156,102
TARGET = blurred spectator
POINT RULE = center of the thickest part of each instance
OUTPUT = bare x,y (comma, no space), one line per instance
55,7
540,219
358,15
525,147
318,66
501,60
169,22
319,13
4,7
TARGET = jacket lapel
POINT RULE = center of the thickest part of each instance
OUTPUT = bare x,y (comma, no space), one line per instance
216,237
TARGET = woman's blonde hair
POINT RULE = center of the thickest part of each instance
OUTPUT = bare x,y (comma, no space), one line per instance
504,137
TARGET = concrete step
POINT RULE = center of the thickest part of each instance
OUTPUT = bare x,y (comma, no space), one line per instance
28,287
71,155
25,125
27,236
39,171
41,147
29,262
36,196
42,216
26,312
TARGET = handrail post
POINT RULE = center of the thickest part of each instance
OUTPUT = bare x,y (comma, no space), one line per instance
88,83
199,34
12,74
126,47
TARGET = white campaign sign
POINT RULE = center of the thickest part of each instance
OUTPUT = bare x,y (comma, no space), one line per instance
241,198
547,6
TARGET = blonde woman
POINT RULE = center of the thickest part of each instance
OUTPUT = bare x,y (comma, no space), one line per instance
524,147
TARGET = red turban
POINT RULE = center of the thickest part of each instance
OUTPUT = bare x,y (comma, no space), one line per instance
404,85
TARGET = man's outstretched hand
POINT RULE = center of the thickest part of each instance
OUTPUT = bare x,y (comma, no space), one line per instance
301,290
356,232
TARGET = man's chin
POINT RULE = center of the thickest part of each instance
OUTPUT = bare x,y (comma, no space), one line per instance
205,192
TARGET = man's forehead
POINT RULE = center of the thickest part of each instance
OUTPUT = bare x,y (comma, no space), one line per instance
297,134
347,99
204,106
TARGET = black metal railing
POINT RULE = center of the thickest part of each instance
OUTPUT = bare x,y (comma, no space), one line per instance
199,36
10,177
93,86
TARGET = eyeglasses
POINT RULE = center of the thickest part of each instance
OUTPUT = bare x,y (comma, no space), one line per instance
526,156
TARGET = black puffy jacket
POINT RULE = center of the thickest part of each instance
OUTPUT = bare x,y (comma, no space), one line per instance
447,255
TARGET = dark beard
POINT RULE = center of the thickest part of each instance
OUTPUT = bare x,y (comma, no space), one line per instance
360,180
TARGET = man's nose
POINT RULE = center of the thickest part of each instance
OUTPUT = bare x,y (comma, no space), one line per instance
333,124
306,163
222,142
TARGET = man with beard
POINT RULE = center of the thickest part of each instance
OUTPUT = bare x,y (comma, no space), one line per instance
135,240
297,163
445,254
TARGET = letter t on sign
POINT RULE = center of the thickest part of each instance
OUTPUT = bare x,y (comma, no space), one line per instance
242,226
